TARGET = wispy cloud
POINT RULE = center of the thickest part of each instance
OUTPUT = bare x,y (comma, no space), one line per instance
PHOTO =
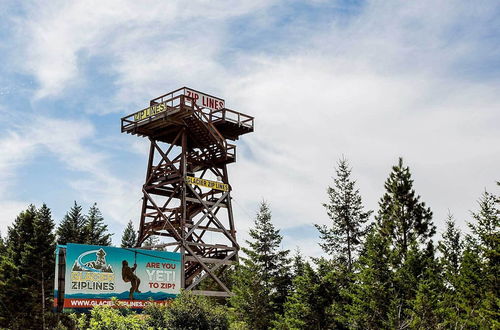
60,36
374,82
68,142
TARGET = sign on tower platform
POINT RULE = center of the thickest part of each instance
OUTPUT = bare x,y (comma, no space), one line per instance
204,100
200,99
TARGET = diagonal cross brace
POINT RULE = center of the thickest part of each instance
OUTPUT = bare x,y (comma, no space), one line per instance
176,234
214,218
207,269
214,268
206,214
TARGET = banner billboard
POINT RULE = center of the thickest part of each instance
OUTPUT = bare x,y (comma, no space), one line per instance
93,275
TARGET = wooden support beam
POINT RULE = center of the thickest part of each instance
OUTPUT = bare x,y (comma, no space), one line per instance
212,293
216,230
211,260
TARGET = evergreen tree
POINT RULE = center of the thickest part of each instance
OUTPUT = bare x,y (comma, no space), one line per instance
3,249
72,227
11,293
486,232
263,280
313,292
407,224
471,296
27,270
96,231
373,287
484,243
43,265
129,237
15,287
251,301
342,238
402,216
451,248
470,291
298,263
426,307
21,232
412,275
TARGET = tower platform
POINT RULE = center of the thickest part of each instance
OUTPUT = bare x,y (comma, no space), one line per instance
167,113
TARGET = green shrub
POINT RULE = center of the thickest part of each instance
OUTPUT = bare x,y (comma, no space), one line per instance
188,311
109,318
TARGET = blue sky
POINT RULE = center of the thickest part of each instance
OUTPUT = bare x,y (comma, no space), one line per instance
371,80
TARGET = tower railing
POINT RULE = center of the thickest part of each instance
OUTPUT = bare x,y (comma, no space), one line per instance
231,116
176,101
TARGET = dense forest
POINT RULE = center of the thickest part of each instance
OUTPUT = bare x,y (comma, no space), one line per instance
381,269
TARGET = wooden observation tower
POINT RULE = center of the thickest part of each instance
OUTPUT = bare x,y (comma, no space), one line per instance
187,195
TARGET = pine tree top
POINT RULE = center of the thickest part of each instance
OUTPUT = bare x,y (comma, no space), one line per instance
96,231
345,233
72,228
129,237
402,215
264,253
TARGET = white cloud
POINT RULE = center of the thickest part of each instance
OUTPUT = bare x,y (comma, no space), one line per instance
374,87
67,141
60,35
372,92
14,152
304,125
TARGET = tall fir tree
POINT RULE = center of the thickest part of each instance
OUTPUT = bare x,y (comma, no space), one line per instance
470,292
307,306
43,265
402,216
27,270
11,293
451,249
96,232
484,243
373,287
407,224
72,227
407,279
251,301
344,235
129,237
426,311
486,231
298,263
15,288
3,249
263,280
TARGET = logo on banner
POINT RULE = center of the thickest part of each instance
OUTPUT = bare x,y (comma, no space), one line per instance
92,275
